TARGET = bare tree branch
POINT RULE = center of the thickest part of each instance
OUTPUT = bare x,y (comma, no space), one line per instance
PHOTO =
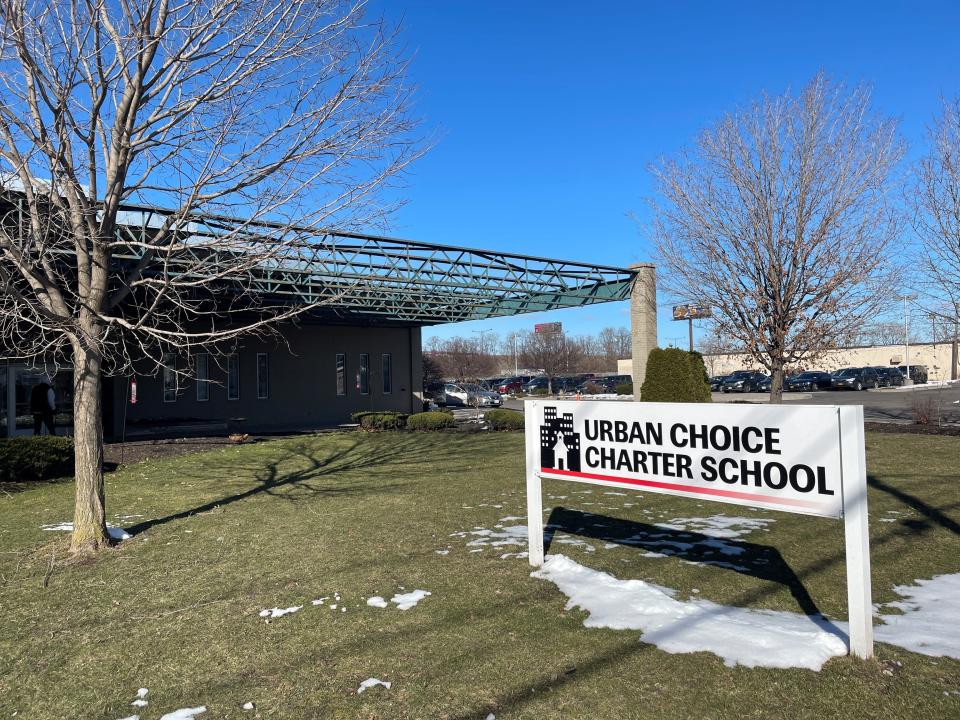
293,116
779,218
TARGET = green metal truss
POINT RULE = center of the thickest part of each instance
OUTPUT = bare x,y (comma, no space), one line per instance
367,277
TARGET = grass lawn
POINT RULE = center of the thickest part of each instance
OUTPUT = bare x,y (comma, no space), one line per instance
220,536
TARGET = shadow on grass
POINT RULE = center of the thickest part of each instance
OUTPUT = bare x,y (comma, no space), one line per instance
307,466
759,561
934,515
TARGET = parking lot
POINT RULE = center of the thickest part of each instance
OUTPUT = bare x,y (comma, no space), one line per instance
883,405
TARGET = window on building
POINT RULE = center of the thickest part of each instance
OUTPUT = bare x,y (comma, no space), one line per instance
341,374
203,377
169,377
363,377
233,377
387,373
263,376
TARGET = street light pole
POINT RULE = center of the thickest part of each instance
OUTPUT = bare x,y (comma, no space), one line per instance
906,335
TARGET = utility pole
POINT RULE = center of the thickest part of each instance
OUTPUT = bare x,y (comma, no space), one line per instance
906,335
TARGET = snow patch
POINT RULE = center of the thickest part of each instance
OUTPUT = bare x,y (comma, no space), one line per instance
408,600
513,535
753,638
113,531
184,713
373,682
928,624
718,526
247,706
377,601
279,612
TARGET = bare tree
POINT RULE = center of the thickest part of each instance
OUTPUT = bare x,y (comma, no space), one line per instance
551,352
290,115
714,344
614,344
463,358
779,219
936,204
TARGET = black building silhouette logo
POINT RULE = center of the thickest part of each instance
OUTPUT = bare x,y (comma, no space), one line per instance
559,444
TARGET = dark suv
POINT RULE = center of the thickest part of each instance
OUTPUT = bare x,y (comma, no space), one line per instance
918,373
808,381
742,381
856,379
889,376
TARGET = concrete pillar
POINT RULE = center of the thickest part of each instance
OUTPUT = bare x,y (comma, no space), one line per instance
643,320
416,371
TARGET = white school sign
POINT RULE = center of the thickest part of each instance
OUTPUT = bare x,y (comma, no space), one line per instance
806,459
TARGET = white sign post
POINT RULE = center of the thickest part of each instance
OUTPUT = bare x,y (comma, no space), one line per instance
806,459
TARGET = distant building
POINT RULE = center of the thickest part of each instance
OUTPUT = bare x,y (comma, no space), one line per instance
940,359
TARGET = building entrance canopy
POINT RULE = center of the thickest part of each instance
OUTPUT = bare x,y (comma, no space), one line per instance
369,277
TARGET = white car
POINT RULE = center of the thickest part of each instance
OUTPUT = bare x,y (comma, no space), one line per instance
470,395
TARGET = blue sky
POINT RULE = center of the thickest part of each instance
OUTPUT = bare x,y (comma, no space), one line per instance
548,113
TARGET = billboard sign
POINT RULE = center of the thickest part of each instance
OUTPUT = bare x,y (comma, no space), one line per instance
691,312
553,327
806,459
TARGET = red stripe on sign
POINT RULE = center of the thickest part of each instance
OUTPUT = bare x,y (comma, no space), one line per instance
754,497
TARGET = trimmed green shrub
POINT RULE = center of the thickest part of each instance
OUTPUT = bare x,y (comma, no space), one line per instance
427,421
624,389
504,419
675,375
699,377
39,457
380,420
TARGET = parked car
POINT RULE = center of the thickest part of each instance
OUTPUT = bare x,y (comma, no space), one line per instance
469,395
855,379
513,384
918,373
742,381
604,383
895,378
716,381
538,383
809,381
889,377
436,392
765,385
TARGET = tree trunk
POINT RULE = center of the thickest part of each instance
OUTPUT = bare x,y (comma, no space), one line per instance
776,384
89,518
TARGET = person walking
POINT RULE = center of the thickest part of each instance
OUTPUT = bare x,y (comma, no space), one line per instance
43,403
